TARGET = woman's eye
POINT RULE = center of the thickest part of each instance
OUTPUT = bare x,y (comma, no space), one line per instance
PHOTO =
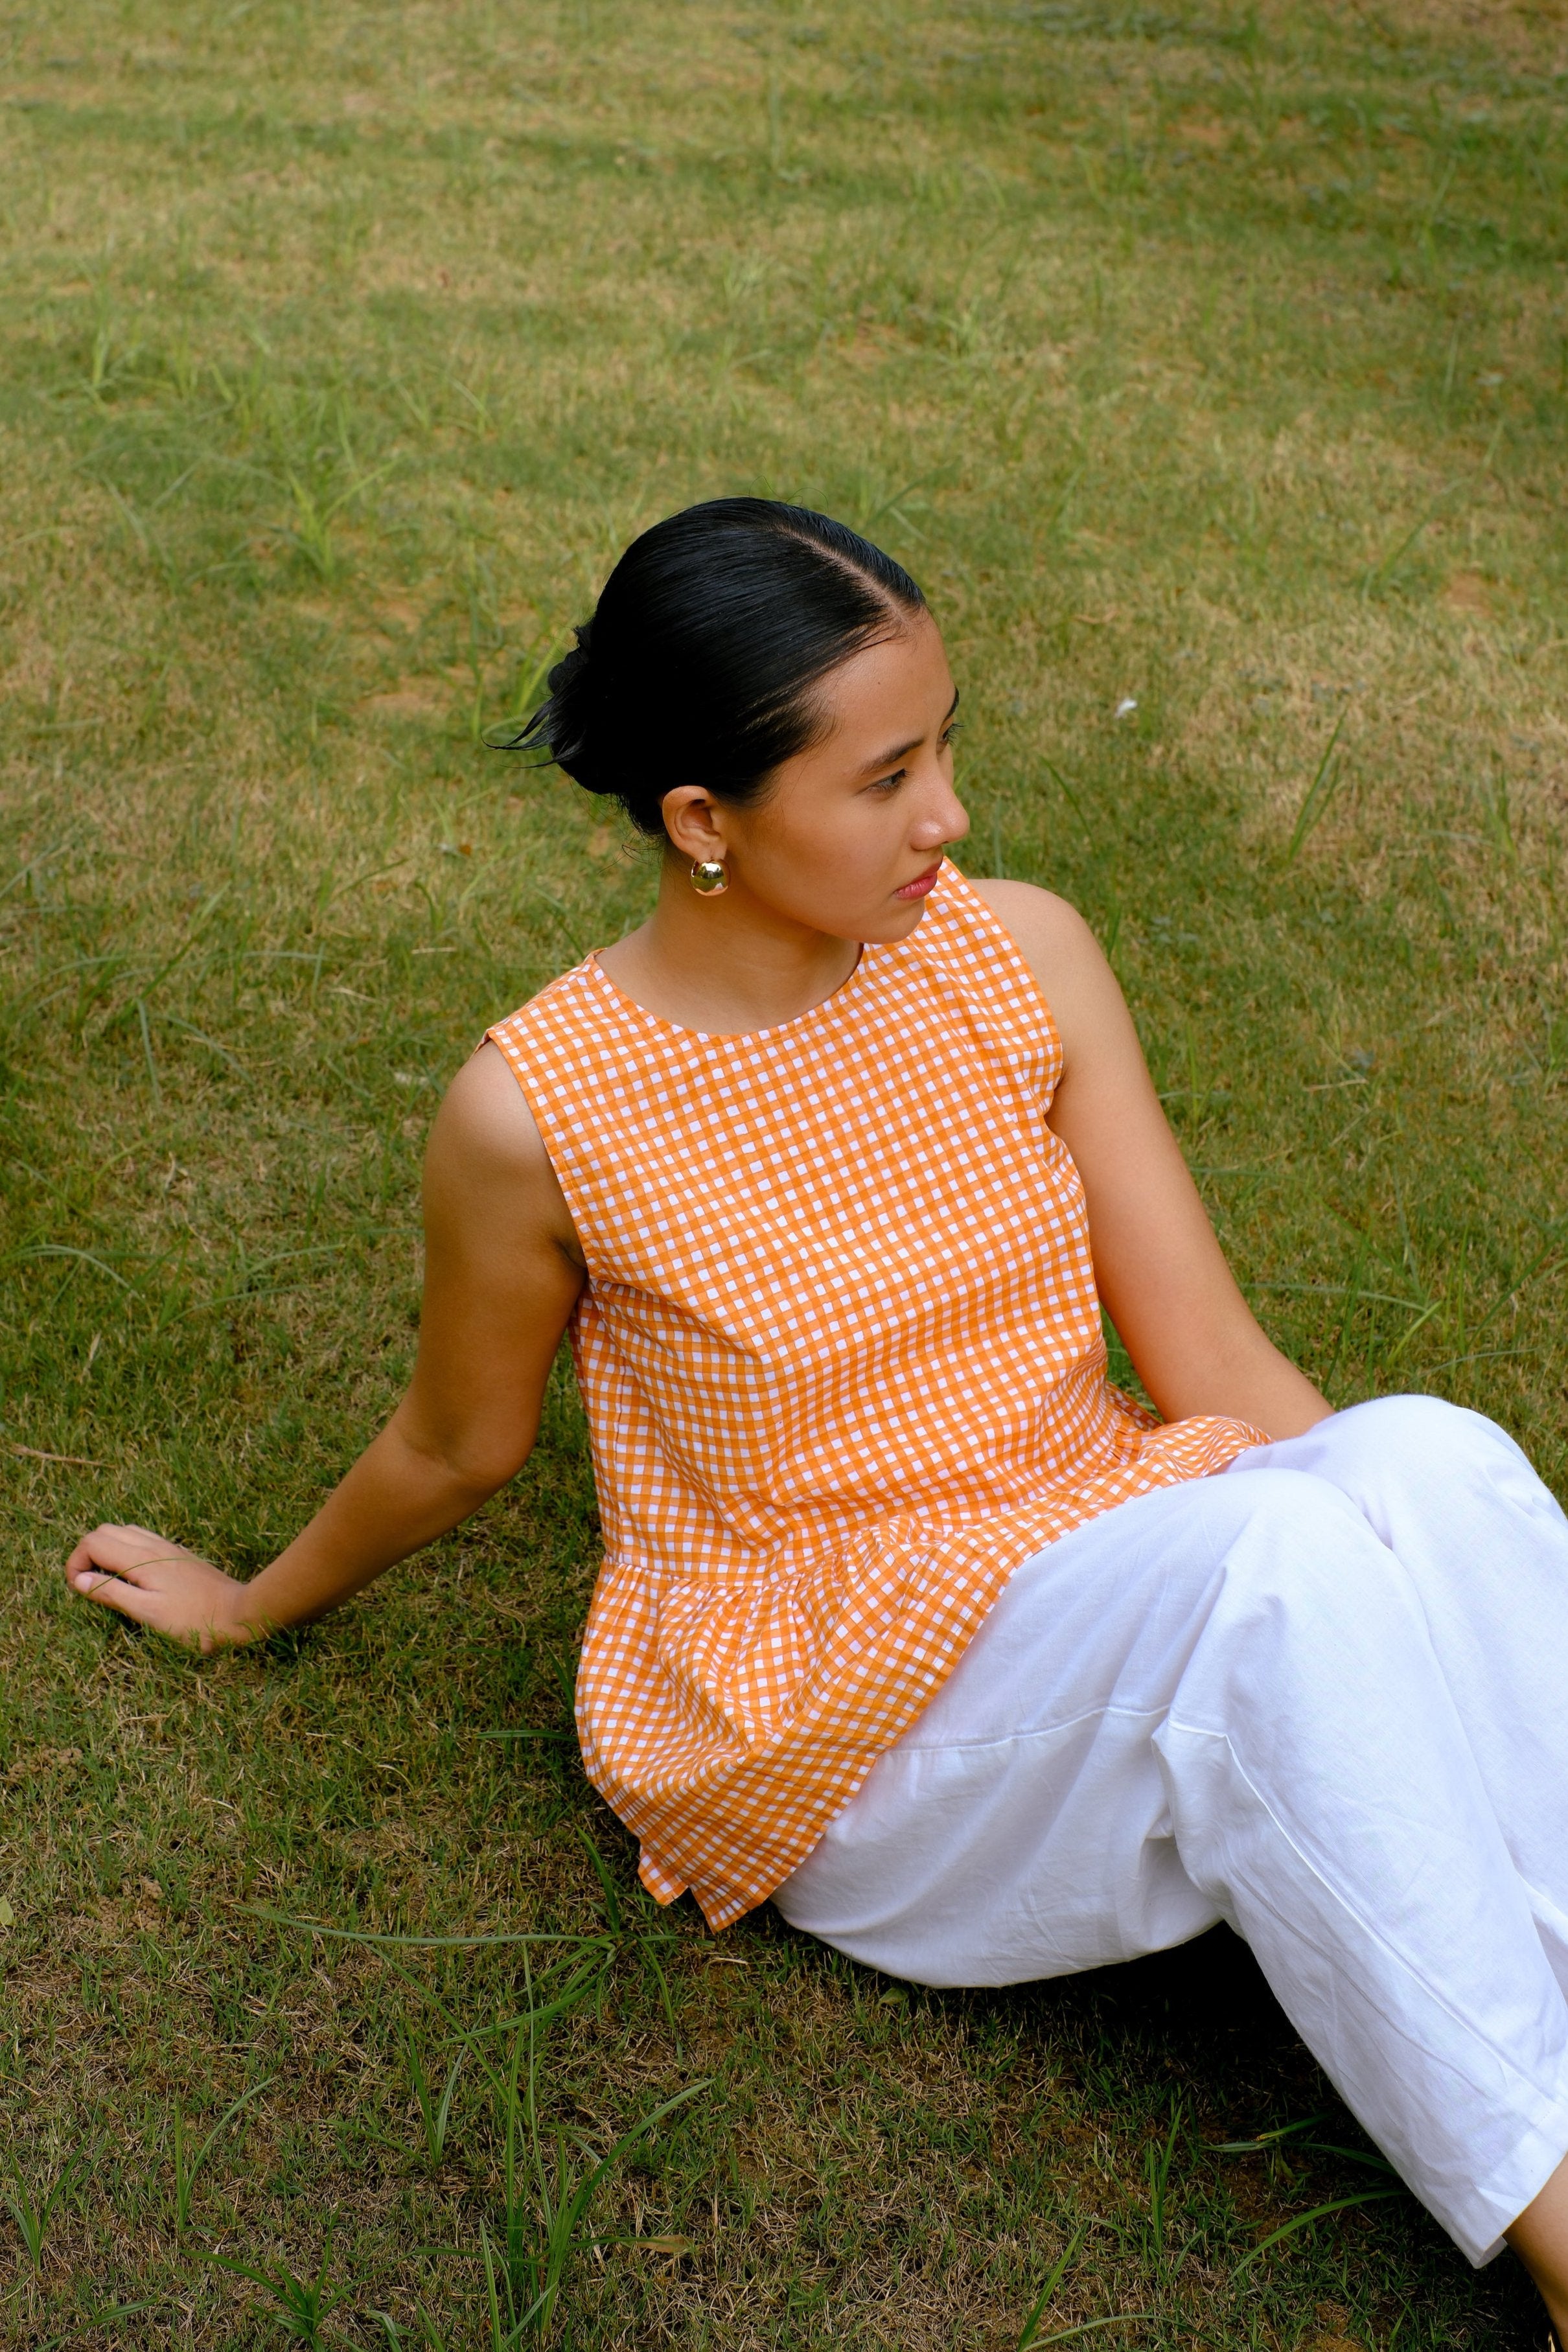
888,785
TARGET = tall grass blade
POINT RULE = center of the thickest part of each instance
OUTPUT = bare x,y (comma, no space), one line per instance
1157,2169
32,2213
1070,794
436,2115
302,2307
607,1885
1319,791
147,1050
1090,2326
1305,2221
1057,2273
541,2013
413,1943
1265,2141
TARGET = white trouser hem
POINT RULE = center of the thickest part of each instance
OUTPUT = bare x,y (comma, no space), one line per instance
1498,2203
1475,2216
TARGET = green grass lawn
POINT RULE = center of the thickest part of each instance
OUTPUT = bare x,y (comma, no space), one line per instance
1208,364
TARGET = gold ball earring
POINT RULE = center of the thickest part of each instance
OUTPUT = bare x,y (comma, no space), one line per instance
708,877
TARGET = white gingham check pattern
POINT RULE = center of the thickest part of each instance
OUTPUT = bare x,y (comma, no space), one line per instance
841,1356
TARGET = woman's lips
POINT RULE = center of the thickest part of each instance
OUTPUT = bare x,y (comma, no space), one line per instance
921,885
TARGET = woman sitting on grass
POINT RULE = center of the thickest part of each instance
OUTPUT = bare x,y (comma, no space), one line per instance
906,1618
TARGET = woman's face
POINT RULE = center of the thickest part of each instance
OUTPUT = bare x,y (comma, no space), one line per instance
847,838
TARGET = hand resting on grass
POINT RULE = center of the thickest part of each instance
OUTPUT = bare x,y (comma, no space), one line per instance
160,1584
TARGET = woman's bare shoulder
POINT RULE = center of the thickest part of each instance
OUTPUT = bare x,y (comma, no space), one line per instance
484,1111
1048,933
486,1154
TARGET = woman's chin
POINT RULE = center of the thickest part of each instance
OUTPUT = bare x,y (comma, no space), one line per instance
896,922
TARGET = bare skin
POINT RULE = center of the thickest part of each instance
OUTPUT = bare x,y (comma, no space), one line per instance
840,850
1539,2239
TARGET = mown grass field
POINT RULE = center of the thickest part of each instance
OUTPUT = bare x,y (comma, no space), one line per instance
1209,366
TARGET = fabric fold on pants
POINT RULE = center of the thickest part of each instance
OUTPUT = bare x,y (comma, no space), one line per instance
1315,1697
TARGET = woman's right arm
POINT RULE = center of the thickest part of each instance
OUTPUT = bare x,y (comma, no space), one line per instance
502,1272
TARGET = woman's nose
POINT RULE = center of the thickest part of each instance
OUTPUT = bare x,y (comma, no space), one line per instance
947,821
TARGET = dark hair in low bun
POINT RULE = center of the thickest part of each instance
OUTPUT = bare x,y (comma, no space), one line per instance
698,663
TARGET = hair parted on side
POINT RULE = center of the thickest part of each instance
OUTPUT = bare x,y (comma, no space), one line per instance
698,663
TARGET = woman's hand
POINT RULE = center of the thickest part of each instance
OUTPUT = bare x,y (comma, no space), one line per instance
162,1585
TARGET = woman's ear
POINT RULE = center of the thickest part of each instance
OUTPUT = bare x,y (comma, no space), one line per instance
689,820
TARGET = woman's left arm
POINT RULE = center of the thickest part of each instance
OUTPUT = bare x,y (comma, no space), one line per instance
1161,1274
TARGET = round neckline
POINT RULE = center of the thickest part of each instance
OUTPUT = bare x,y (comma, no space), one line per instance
847,986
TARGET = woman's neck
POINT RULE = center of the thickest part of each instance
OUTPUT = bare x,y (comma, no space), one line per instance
725,965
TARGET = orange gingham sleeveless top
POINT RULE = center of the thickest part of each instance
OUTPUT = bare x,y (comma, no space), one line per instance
841,1354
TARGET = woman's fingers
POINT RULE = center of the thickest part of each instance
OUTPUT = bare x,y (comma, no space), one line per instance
130,1599
158,1583
135,1553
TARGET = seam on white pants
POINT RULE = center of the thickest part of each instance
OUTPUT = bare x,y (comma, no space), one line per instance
906,1747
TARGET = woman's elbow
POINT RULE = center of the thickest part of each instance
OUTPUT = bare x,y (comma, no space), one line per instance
474,1463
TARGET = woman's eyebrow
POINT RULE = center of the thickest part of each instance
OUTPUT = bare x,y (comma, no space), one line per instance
901,752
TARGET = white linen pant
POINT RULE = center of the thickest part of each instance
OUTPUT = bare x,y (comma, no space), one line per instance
1321,1696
